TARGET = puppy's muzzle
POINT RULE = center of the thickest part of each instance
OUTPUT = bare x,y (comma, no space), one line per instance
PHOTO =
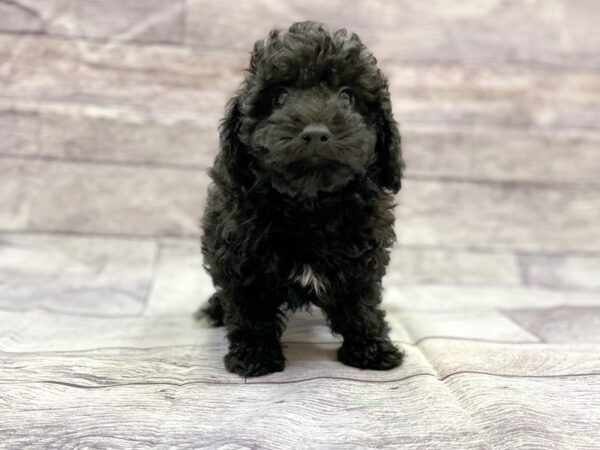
316,139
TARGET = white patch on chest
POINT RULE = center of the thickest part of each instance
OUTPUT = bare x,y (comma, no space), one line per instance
308,278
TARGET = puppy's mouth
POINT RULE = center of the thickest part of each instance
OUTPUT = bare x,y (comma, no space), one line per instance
309,176
313,164
296,161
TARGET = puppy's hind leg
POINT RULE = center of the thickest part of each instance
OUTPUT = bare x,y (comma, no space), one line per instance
213,310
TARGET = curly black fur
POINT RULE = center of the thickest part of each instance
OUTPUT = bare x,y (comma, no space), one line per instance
292,221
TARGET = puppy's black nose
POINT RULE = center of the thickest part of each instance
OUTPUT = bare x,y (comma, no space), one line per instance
315,134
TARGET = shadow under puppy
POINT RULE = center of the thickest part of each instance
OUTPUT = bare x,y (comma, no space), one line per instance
300,211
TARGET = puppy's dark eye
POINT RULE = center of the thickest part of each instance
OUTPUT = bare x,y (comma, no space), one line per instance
280,97
346,96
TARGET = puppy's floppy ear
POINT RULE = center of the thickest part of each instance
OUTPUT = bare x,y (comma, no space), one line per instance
389,164
233,159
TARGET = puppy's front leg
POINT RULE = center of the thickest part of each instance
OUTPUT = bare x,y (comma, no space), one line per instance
254,323
356,315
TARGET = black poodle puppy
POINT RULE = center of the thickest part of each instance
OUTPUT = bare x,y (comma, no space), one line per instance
300,211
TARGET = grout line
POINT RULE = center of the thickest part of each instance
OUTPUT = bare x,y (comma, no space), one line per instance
500,375
401,311
539,184
136,42
459,338
112,103
69,313
495,250
243,382
439,128
36,104
96,235
114,163
397,246
284,343
542,184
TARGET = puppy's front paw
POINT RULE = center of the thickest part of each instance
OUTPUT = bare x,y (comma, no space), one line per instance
376,354
255,360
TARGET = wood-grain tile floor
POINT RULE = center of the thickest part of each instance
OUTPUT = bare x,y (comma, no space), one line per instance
108,123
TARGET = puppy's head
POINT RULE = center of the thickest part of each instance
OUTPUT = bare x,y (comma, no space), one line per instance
313,114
